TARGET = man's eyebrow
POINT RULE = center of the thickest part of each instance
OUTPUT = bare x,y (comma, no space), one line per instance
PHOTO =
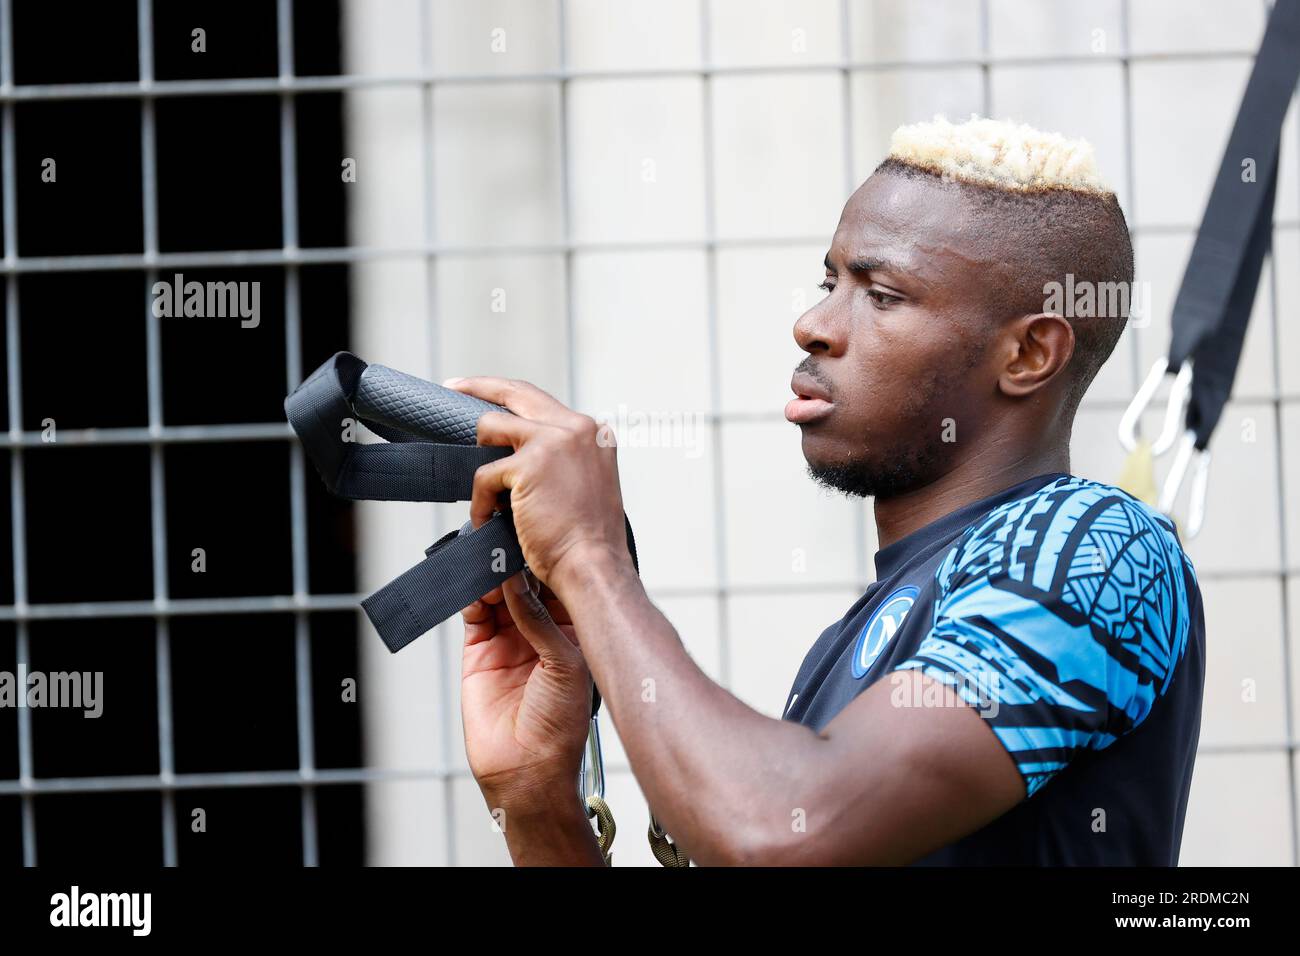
863,264
872,264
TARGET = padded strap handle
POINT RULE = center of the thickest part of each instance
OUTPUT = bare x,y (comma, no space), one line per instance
406,469
423,409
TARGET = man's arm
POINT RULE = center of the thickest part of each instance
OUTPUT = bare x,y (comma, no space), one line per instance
880,784
883,783
907,767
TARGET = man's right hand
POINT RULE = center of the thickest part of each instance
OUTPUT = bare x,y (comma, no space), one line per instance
526,707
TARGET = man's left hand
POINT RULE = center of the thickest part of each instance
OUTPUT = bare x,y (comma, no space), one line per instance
562,478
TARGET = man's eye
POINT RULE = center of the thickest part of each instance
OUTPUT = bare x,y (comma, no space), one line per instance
826,285
882,298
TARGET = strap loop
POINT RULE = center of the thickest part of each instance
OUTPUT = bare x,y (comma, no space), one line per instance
452,577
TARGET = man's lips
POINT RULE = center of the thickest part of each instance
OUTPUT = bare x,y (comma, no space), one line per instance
812,402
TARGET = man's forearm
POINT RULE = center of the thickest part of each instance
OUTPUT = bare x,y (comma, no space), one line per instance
720,776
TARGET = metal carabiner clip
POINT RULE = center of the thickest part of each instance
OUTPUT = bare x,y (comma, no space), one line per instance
1175,409
1187,454
591,790
1173,425
591,776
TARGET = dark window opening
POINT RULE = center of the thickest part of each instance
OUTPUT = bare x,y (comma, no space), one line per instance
229,669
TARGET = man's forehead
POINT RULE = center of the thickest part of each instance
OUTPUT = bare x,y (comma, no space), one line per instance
919,226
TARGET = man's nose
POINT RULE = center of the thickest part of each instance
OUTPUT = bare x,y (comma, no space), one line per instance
819,330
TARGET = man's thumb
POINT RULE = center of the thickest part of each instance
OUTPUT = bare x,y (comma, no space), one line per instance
534,621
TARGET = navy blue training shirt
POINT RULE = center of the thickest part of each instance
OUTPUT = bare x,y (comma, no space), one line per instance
1067,614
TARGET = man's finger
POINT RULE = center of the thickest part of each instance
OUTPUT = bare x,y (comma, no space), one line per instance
489,481
498,428
480,623
522,398
558,613
476,613
534,623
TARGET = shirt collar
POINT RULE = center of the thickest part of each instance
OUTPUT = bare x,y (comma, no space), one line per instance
892,558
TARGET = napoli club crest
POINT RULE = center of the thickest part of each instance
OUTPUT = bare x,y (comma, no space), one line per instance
881,627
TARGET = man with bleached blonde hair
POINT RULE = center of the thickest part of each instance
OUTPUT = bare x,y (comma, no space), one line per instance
1021,684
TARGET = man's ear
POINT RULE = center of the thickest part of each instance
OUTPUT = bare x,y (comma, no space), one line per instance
1038,347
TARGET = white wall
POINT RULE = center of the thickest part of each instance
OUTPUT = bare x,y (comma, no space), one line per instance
642,313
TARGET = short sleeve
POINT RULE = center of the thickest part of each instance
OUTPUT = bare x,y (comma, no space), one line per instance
1061,618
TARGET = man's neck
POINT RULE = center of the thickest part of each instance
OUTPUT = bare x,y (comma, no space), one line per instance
974,478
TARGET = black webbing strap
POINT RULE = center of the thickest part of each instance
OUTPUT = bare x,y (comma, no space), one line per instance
413,471
1218,288
460,568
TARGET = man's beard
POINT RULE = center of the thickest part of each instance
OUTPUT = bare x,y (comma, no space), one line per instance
891,471
898,473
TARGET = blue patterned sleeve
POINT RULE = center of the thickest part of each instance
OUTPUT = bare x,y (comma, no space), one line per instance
1061,617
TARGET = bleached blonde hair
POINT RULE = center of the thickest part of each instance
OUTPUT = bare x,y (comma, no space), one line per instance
1000,154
